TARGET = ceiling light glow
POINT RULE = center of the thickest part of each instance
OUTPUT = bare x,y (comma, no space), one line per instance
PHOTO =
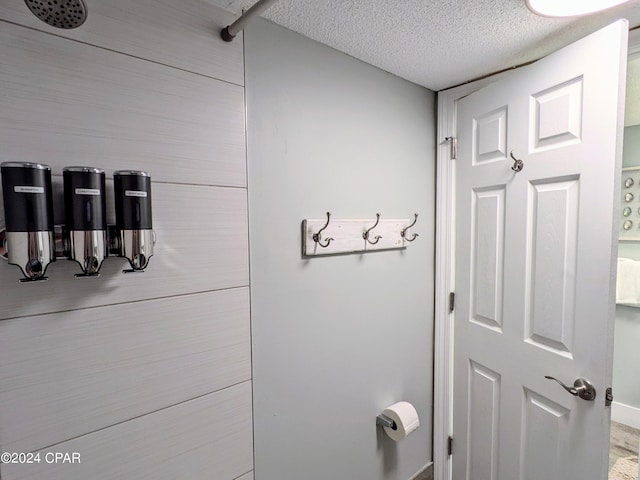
570,8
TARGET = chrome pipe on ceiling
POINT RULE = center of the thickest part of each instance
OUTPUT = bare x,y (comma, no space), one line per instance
230,31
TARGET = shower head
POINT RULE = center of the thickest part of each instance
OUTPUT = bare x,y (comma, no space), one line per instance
59,13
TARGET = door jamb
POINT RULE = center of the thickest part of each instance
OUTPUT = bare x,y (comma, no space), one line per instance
445,266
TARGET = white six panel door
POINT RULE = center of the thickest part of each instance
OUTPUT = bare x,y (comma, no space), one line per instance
535,264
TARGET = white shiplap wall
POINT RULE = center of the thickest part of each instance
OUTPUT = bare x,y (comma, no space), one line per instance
146,376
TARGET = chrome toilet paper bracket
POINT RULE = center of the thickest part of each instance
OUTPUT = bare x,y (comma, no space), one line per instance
385,421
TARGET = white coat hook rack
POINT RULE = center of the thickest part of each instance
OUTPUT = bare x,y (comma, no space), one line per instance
330,236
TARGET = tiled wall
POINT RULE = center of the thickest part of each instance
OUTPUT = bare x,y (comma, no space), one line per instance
144,375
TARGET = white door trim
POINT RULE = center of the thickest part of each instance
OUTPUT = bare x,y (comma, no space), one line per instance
445,266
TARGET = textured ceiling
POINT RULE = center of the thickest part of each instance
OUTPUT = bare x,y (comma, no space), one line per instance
436,44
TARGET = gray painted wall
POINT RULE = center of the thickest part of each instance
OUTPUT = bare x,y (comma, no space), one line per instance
145,375
626,360
335,340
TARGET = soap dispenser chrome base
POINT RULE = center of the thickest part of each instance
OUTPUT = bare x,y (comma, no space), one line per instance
88,249
31,252
137,247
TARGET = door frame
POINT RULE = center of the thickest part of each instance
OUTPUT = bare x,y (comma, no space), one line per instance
445,263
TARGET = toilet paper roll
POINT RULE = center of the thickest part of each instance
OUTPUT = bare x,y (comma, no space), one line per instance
406,418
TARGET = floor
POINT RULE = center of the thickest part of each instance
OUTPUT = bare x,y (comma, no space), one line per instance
623,452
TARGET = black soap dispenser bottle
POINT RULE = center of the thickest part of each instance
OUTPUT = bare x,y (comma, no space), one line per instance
86,218
134,224
28,211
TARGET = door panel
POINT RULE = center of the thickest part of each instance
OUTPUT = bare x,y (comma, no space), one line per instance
544,437
488,253
490,136
483,414
553,229
535,263
557,115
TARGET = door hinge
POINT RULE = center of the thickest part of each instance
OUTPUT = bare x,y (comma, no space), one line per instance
453,141
450,446
452,302
608,397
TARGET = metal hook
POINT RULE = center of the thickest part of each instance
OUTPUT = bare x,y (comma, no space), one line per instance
317,236
403,233
518,165
365,235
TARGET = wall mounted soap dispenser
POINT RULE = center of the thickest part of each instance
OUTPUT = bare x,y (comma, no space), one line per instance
85,210
133,217
31,241
28,211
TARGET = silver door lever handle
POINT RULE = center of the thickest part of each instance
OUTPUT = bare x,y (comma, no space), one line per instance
582,388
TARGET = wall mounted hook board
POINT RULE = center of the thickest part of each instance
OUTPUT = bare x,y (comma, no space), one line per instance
348,235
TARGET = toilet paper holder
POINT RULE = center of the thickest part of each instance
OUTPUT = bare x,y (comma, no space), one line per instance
385,421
